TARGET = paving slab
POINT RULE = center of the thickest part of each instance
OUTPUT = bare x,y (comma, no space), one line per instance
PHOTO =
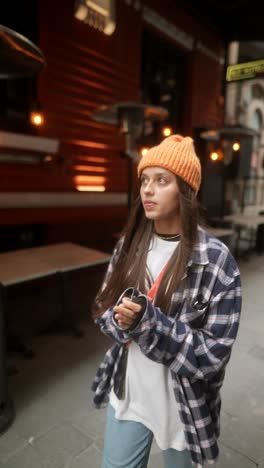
91,423
11,442
58,444
56,385
243,436
90,458
230,458
27,457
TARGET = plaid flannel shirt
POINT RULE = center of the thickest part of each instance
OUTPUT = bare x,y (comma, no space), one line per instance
194,340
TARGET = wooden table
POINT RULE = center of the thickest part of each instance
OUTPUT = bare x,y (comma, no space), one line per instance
219,232
242,221
26,264
29,264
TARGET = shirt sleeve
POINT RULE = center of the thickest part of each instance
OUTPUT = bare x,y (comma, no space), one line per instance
109,327
108,324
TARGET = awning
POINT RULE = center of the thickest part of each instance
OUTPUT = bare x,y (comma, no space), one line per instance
240,20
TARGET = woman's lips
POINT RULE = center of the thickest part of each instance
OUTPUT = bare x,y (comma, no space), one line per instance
149,205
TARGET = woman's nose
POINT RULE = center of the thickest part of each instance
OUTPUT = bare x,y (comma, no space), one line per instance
148,188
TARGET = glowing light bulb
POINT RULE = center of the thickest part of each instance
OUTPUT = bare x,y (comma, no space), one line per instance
36,118
214,156
144,151
166,131
236,146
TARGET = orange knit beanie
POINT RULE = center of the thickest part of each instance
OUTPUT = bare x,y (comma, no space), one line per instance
176,154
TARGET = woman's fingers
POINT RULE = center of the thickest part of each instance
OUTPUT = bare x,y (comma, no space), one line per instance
123,322
126,313
128,308
131,305
125,317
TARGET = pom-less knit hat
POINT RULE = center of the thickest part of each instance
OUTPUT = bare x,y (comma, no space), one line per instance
176,154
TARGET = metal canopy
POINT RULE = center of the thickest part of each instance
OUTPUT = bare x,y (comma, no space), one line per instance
135,110
130,118
18,56
232,131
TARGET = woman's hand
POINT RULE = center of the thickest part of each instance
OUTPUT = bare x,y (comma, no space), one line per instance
126,313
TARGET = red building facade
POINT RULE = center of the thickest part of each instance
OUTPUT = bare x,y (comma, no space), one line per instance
86,69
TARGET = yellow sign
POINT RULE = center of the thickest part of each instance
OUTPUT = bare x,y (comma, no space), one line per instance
245,71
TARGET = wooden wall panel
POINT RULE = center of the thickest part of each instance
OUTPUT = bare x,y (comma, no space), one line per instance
90,226
87,69
60,215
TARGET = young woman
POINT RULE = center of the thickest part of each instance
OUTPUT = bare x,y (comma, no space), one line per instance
171,303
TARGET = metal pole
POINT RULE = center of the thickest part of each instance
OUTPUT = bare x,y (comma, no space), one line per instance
231,88
129,154
6,404
130,182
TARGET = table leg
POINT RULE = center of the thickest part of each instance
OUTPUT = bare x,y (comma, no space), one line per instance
66,309
238,233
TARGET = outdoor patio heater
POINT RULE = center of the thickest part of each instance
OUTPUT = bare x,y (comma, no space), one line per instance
18,58
130,117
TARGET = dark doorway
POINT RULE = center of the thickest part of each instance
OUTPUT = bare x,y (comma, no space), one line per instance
163,76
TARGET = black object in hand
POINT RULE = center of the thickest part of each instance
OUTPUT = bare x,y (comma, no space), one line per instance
139,300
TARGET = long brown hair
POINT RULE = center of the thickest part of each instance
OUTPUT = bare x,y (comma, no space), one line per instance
130,269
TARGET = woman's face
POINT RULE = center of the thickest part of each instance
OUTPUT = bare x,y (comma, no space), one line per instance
159,194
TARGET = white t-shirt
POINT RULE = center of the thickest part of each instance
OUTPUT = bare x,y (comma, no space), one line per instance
149,396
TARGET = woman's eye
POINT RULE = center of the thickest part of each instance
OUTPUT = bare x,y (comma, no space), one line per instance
162,180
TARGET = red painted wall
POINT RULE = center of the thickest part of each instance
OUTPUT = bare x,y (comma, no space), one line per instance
86,69
207,103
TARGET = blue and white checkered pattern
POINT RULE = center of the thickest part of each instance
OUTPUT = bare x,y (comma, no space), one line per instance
194,340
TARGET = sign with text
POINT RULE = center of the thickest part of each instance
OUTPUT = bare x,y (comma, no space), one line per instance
245,71
99,14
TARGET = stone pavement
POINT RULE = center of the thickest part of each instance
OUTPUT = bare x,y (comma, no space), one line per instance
56,425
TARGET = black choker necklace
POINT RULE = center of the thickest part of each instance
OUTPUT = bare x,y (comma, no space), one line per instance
169,237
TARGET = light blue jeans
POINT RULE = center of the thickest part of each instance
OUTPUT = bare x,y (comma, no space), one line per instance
127,444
